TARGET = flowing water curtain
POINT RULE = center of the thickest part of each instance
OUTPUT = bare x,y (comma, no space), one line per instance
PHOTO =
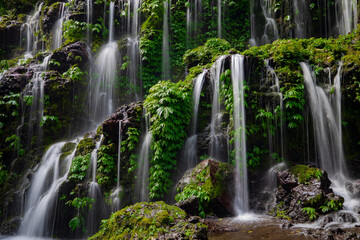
165,69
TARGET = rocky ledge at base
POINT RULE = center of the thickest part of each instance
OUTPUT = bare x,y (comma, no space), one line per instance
154,220
304,194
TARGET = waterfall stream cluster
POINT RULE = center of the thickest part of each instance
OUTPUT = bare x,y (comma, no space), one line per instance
218,125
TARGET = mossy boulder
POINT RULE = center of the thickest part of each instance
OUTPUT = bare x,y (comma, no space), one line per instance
15,80
304,193
85,146
154,220
207,189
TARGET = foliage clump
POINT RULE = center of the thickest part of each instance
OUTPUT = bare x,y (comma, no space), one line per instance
205,54
149,221
169,106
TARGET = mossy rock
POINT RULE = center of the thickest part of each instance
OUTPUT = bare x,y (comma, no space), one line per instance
153,220
305,173
210,185
85,146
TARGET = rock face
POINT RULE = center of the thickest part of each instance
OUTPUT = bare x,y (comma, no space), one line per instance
15,80
63,58
128,115
155,220
208,188
304,193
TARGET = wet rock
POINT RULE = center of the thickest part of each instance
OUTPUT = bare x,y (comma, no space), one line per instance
213,180
128,115
353,188
327,219
11,226
155,220
63,58
15,80
287,225
9,37
50,16
303,193
346,217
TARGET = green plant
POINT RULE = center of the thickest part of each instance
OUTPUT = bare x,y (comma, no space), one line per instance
169,105
106,165
331,205
81,205
74,31
311,212
74,73
78,168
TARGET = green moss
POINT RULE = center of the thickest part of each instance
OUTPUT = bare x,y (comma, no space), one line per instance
305,173
147,221
85,146
204,54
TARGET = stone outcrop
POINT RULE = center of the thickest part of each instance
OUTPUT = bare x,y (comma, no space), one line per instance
304,193
15,80
208,188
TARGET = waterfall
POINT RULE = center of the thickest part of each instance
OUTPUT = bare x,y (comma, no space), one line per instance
165,42
270,32
219,5
190,147
37,106
89,10
31,27
216,115
193,19
95,213
241,202
346,16
142,181
326,115
133,48
101,88
273,80
115,195
42,197
302,18
58,27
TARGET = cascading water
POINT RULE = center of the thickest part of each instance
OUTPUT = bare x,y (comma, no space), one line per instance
193,20
270,32
326,117
190,147
89,10
302,19
37,106
219,5
346,16
96,213
30,28
241,201
42,197
115,195
142,181
101,88
273,81
58,27
133,48
165,42
216,115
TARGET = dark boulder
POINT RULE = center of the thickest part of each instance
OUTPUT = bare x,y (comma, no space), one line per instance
208,188
63,58
15,80
50,16
304,193
128,115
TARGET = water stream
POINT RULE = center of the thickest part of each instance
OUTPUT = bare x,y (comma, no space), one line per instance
241,202
142,181
165,42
